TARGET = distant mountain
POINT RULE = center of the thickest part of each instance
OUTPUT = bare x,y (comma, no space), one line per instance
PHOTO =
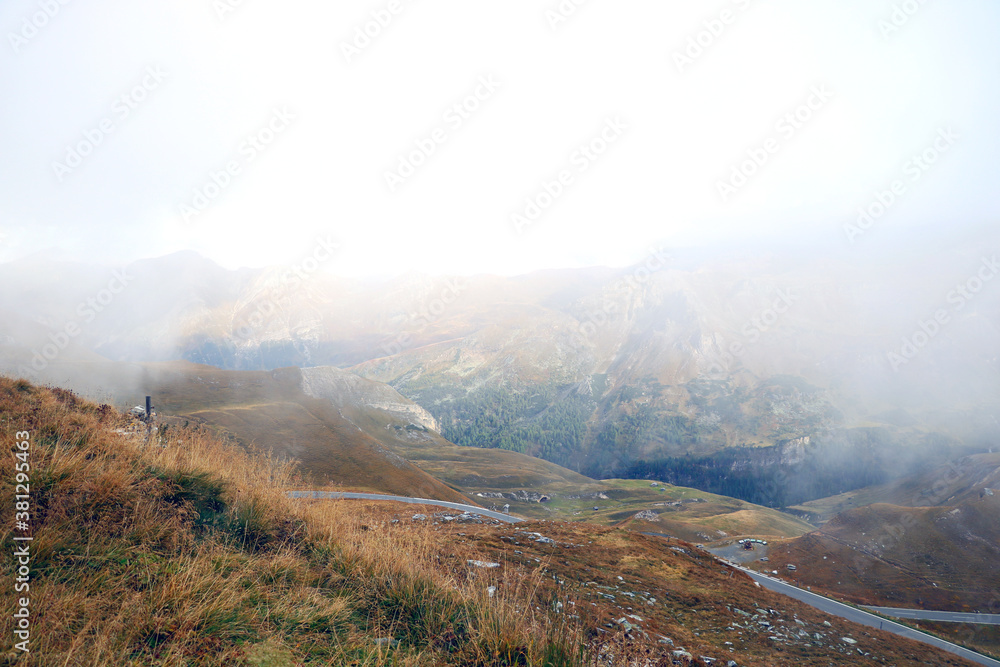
605,371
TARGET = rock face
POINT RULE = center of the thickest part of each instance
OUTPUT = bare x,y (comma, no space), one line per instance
346,389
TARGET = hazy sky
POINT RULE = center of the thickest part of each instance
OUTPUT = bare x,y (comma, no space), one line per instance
121,118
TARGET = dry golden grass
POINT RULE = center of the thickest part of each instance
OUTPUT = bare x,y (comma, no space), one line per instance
886,555
186,550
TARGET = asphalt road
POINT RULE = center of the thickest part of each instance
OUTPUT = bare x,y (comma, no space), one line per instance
471,509
858,616
945,616
818,601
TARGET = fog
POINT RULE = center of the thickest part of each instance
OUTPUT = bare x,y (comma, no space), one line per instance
913,326
456,138
746,223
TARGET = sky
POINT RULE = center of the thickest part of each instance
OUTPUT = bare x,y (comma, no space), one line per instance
449,136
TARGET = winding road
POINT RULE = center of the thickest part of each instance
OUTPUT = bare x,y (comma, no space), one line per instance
863,617
943,616
818,601
338,495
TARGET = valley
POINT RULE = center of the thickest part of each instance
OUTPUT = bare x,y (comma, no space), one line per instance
684,404
716,370
231,569
352,434
500,334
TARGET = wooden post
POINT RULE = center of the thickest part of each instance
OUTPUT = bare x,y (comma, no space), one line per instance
149,418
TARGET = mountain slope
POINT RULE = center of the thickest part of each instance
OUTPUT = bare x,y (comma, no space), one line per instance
937,548
348,391
271,410
945,558
955,482
363,435
190,552
596,369
265,409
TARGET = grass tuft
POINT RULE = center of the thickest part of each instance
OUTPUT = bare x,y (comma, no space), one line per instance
187,551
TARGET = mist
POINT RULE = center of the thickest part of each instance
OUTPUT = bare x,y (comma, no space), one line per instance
903,336
641,235
245,131
707,294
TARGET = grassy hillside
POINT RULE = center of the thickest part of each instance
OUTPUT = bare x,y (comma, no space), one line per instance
715,523
928,541
186,551
262,409
944,558
364,436
685,513
926,557
332,450
362,443
954,482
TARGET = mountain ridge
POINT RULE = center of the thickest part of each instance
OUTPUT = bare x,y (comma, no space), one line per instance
600,370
